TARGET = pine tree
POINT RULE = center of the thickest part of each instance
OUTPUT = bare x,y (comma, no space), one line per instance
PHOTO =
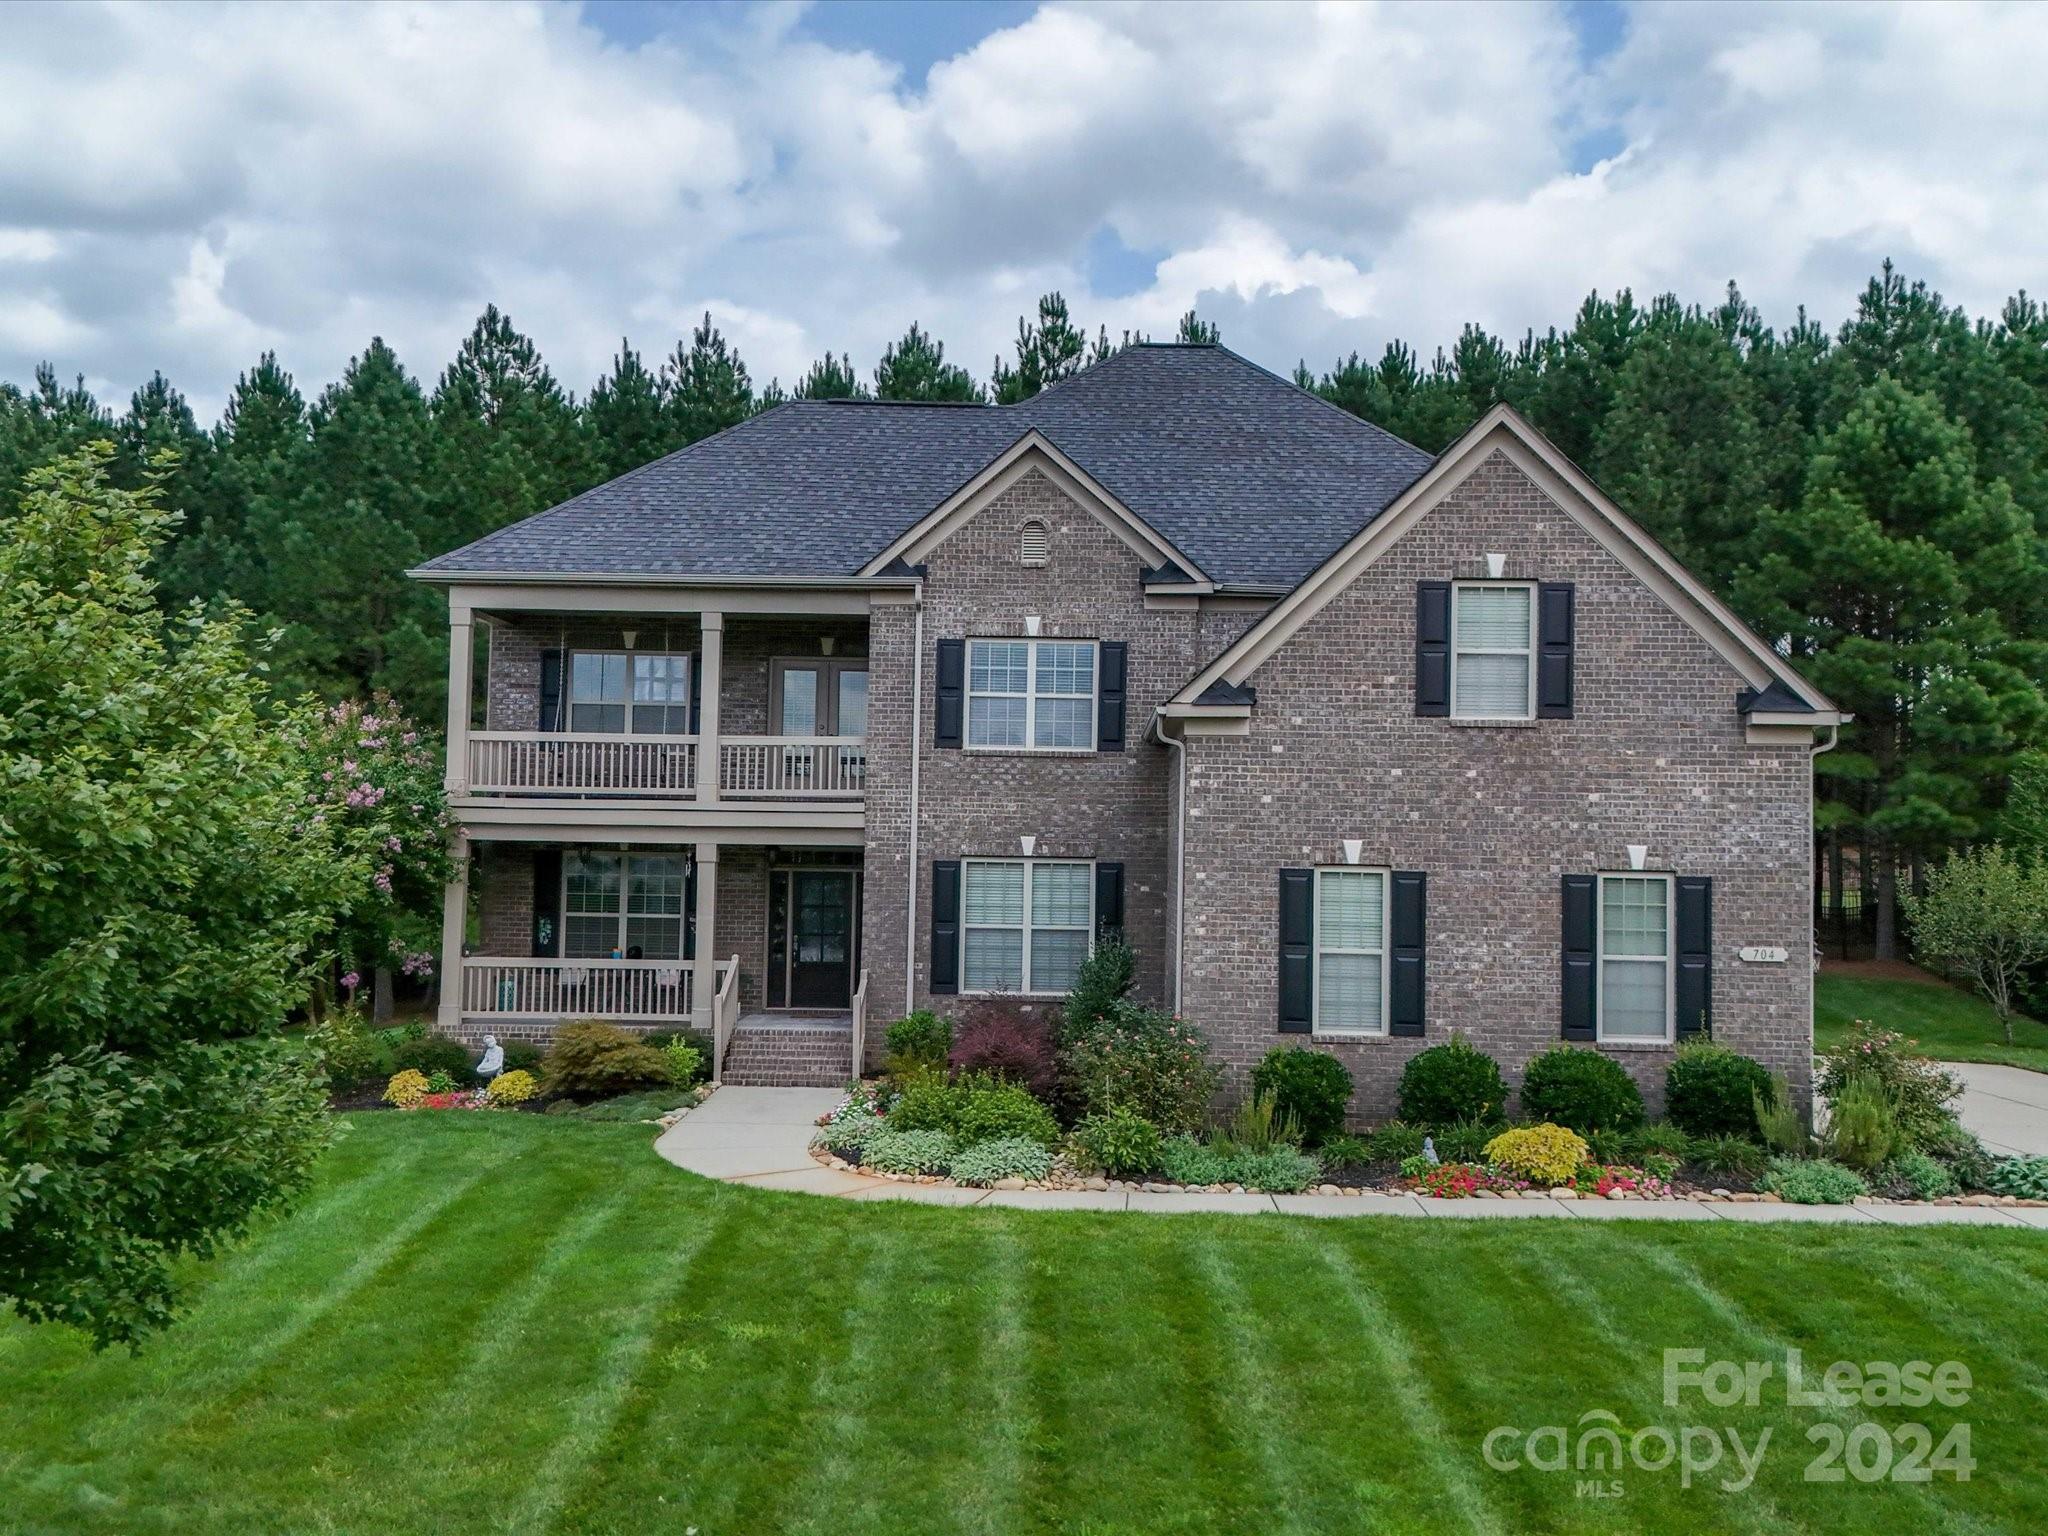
915,368
831,378
258,452
708,388
1047,352
1195,330
627,417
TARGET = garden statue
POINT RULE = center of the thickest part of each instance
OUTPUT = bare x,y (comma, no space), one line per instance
493,1059
1428,1144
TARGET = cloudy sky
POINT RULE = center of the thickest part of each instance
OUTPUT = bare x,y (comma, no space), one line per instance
181,188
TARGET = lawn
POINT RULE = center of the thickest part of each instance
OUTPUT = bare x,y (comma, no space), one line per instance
1949,1023
509,1323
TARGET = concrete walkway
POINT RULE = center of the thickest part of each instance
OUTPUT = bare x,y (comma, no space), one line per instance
760,1137
2007,1107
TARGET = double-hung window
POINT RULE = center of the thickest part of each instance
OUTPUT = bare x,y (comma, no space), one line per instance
1636,977
1493,650
1025,924
1031,695
1351,952
637,692
629,905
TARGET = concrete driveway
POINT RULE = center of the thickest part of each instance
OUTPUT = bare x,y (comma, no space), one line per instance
2007,1107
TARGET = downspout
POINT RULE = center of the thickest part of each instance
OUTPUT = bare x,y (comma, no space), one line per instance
916,717
1180,817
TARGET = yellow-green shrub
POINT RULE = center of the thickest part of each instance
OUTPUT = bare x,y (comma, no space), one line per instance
1542,1154
511,1088
406,1088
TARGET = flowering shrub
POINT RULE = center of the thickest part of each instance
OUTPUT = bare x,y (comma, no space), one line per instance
1613,1178
1917,1089
1543,1154
472,1098
1154,1064
511,1088
406,1088
1452,1181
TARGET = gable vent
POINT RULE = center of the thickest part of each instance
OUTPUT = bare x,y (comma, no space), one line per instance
1035,545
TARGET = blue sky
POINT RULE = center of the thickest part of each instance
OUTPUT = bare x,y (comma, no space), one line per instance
184,187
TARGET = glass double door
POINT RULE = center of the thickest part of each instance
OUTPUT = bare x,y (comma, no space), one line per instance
824,698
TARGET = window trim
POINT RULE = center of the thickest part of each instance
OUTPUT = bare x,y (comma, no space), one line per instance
570,702
1528,652
1601,957
1385,952
968,694
1024,970
625,856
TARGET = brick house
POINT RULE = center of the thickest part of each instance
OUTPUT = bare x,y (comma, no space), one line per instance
862,707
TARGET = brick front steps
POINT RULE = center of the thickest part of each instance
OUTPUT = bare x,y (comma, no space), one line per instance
775,1052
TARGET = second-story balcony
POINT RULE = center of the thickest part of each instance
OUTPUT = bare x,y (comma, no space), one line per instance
591,763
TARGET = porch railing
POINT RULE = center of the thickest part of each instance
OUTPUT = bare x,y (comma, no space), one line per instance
860,1024
725,1015
640,991
793,767
535,762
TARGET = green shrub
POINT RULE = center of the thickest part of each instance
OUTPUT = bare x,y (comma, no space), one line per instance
1658,1139
1280,1170
988,1110
1183,1160
1257,1126
628,1107
892,1151
1581,1091
1778,1122
1415,1167
435,1053
1921,1176
1730,1154
1465,1141
1119,1141
920,1039
1607,1147
1963,1155
1712,1091
1138,1059
2026,1177
1862,1129
685,1062
1542,1154
1100,987
1812,1181
1311,1087
523,1056
1451,1082
1920,1091
1346,1152
1395,1140
850,1132
348,1053
1008,1157
928,1100
591,1060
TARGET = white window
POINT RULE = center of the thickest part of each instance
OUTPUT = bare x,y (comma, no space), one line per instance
1031,695
630,692
629,905
1493,650
1025,924
1636,980
1351,952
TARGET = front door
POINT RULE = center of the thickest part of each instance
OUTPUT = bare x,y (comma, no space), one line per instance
821,921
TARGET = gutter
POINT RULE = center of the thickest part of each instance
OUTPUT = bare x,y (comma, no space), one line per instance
1180,815
450,578
916,757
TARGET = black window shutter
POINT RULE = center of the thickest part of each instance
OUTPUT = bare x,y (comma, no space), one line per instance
1109,900
1581,935
1694,984
946,923
696,693
547,903
952,691
551,689
1109,713
1409,932
1297,951
1432,647
1554,651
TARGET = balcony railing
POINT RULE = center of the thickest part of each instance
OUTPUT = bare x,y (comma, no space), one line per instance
583,762
538,763
793,767
639,991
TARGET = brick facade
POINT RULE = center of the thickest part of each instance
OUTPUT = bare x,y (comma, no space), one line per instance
1654,755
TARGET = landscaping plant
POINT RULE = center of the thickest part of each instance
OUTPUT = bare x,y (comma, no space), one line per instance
1100,986
1778,1120
1963,1155
1710,1090
999,1039
1451,1082
1009,1157
1183,1160
1812,1181
1150,1063
1465,1141
1119,1141
348,1052
1581,1090
1921,1092
892,1151
591,1060
1452,1181
1920,1176
405,1089
509,1088
1862,1129
985,1109
2026,1177
1660,1138
1985,916
1542,1154
920,1039
1730,1154
435,1053
1395,1140
1312,1088
1346,1152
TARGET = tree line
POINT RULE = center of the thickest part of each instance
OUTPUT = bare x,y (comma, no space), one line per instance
1873,499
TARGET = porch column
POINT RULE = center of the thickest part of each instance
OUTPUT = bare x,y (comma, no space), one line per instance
460,651
711,681
454,921
704,983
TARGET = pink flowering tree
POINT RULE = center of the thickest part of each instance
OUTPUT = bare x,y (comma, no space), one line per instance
375,783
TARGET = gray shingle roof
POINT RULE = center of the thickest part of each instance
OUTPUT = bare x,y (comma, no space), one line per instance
1254,479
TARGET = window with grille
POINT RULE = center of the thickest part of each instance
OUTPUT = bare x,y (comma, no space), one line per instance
1493,650
1025,924
1351,952
1635,984
1031,695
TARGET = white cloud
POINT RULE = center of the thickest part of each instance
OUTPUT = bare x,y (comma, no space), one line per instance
180,188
